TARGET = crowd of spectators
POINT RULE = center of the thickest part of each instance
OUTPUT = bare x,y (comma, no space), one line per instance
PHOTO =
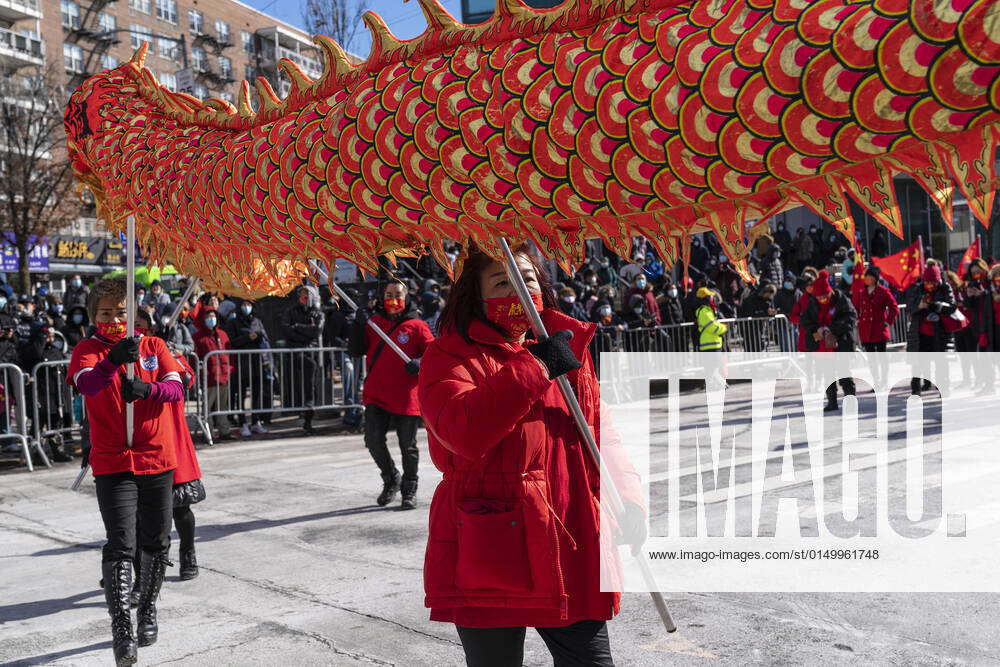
636,303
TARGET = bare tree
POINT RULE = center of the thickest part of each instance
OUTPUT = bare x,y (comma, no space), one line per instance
338,19
37,195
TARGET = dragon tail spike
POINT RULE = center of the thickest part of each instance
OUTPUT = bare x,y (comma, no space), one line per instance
509,9
301,83
438,18
268,98
139,57
336,62
383,41
243,105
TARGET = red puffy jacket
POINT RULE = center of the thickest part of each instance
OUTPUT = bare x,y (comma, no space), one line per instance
876,313
514,524
207,340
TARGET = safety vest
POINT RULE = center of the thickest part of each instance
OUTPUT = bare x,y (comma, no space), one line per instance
710,330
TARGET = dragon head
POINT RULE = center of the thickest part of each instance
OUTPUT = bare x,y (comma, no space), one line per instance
90,113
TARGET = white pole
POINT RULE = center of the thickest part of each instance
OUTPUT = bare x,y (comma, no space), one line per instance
130,317
383,335
607,481
192,286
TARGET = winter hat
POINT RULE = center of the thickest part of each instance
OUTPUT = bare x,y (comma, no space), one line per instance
821,286
932,274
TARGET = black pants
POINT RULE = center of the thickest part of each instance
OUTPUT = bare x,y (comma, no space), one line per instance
582,643
125,498
378,421
874,347
847,384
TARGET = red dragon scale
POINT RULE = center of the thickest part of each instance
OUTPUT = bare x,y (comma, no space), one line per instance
595,119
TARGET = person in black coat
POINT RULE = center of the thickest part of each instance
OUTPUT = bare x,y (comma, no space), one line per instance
54,399
77,326
830,324
671,308
302,326
927,302
250,371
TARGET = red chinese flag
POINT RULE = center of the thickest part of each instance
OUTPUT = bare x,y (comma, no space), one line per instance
971,253
903,268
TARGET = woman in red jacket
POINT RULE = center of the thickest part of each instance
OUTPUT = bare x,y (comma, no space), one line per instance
133,479
514,525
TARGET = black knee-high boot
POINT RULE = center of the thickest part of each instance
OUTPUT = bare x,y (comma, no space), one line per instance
151,572
117,583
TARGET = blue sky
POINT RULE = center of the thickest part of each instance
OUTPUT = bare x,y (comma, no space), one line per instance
404,18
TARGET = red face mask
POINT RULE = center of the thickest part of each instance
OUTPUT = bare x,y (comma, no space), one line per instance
142,331
112,331
394,306
507,313
930,287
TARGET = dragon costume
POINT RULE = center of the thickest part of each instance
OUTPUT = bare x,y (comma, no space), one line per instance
595,119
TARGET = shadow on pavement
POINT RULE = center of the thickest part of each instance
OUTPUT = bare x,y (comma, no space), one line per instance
28,610
209,532
57,655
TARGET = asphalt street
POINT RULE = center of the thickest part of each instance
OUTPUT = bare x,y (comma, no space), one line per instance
300,567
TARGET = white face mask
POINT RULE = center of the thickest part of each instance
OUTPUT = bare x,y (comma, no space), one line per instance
672,292
637,311
569,299
165,320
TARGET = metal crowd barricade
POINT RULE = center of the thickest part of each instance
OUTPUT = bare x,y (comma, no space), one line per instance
14,420
52,412
277,380
897,332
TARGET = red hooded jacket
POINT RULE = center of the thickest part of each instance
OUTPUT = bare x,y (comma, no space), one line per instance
207,340
514,524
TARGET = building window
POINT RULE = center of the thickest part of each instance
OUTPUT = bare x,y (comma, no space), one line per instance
73,57
166,10
168,80
107,21
139,5
139,34
200,91
199,59
247,38
225,67
196,21
222,30
108,61
168,49
249,72
70,12
227,96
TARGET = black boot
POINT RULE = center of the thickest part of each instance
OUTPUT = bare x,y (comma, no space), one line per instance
117,583
390,487
189,564
409,489
151,573
307,423
831,400
133,596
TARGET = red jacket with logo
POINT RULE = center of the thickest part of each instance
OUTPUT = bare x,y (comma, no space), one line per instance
514,525
387,384
154,435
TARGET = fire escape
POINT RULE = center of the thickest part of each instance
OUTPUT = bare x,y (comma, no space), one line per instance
202,43
86,29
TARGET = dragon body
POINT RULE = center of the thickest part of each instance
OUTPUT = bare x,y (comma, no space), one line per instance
600,119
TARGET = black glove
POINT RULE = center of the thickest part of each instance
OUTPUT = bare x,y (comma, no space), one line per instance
125,351
134,389
85,458
633,525
413,366
556,354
